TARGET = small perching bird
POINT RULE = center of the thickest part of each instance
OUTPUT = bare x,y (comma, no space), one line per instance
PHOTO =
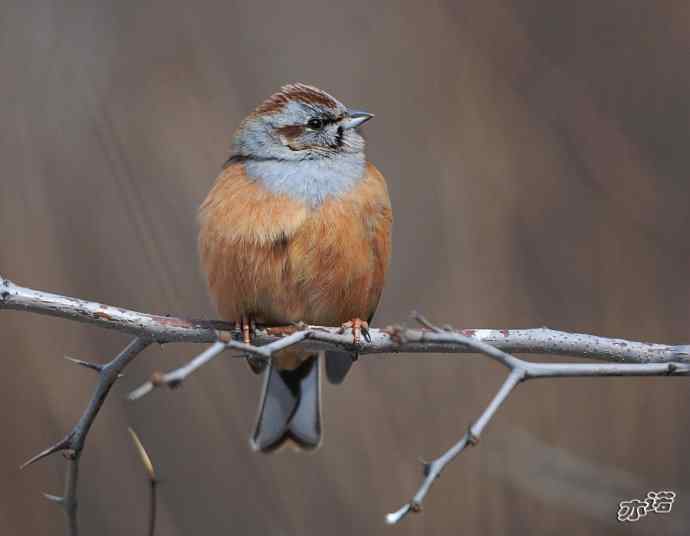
297,227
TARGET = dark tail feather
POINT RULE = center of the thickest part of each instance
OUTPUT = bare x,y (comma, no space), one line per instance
337,365
290,408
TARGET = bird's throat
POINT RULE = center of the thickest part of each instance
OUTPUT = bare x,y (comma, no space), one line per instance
309,181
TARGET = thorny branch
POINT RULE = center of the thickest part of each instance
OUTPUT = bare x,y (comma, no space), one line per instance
629,359
73,443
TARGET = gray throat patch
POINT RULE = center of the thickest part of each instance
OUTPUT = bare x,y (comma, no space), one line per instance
311,181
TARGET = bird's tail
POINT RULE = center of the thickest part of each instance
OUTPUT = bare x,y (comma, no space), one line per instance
290,408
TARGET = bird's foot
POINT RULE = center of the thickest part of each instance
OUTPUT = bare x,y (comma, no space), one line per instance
360,329
247,326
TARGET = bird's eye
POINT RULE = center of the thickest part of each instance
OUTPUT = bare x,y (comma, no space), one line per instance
315,123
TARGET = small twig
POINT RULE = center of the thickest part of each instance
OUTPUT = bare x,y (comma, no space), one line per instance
422,320
153,480
433,469
175,377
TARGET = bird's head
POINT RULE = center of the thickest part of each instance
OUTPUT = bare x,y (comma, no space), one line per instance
300,122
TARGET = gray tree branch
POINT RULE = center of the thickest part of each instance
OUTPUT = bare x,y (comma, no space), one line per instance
629,358
73,443
520,371
392,340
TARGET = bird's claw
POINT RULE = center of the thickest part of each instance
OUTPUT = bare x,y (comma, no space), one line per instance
360,329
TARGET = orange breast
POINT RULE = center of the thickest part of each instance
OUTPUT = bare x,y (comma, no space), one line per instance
279,261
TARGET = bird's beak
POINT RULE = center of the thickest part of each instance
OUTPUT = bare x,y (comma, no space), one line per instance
356,118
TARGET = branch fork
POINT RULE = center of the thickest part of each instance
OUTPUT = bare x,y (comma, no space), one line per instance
520,371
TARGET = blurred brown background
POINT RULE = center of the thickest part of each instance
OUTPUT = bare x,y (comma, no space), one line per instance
537,159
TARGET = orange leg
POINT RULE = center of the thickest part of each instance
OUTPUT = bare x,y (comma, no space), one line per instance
247,326
359,327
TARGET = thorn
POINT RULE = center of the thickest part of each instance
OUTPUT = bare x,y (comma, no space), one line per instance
426,466
86,364
472,438
424,322
54,498
143,455
93,366
60,445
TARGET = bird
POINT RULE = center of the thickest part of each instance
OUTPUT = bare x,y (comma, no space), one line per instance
297,228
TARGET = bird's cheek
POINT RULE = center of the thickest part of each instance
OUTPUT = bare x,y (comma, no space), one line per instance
289,143
297,144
